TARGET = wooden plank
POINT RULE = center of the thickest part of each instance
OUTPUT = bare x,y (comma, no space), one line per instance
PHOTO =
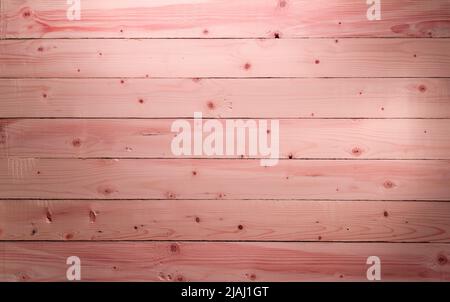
213,261
231,220
225,18
329,138
224,179
225,58
261,98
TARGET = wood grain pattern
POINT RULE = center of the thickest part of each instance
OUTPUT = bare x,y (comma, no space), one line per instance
211,261
262,220
224,18
225,58
85,162
254,98
224,179
330,138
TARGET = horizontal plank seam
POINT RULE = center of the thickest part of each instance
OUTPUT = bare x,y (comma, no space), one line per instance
225,38
218,118
208,78
221,241
224,158
233,199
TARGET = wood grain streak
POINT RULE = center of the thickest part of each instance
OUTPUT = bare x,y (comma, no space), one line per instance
262,220
211,261
255,98
227,179
346,139
225,18
225,58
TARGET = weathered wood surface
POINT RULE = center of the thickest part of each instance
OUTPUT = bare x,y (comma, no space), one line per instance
241,58
329,138
224,19
212,261
85,160
224,179
226,98
261,220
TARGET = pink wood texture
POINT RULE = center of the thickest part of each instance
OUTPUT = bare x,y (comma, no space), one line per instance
172,261
86,167
241,58
254,98
224,179
224,19
308,138
290,220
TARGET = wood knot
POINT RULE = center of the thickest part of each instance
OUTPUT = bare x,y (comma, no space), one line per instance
76,142
49,216
26,14
320,237
180,278
24,277
34,231
174,248
92,216
356,151
442,260
170,195
41,49
388,184
197,219
105,191
68,236
422,88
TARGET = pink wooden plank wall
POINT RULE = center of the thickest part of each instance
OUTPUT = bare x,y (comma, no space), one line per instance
86,167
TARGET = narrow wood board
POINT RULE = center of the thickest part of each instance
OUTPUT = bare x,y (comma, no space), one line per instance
226,98
212,261
260,220
224,179
310,138
242,58
224,19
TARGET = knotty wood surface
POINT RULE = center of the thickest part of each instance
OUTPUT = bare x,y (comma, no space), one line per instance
86,167
290,220
151,138
224,19
183,261
226,98
222,58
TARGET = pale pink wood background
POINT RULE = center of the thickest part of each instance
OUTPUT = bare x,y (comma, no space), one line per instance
85,114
